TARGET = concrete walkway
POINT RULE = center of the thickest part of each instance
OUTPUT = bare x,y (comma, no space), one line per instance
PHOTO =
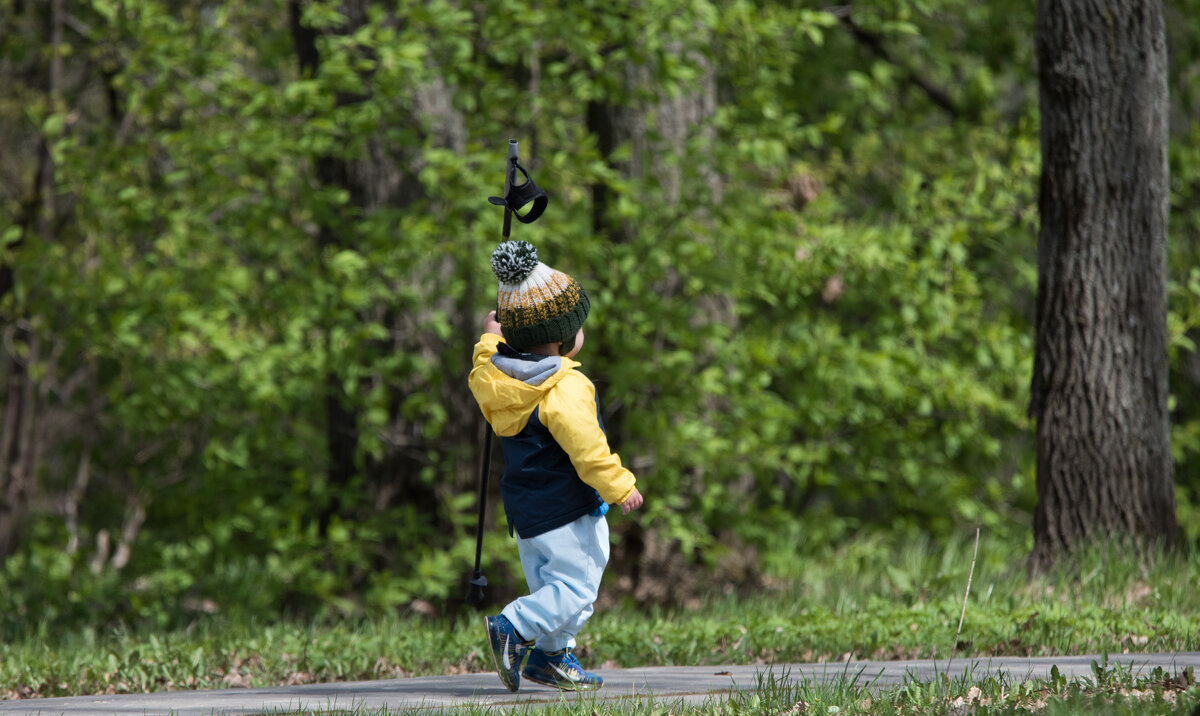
691,684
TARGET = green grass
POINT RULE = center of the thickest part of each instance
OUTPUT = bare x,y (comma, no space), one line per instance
868,602
865,601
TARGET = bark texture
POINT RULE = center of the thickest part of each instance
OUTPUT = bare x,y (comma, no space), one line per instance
1099,384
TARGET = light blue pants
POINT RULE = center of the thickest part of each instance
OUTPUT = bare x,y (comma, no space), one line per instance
563,569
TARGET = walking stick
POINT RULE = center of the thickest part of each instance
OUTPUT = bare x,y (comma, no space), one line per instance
515,196
478,581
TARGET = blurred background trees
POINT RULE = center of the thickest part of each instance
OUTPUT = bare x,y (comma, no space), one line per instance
245,258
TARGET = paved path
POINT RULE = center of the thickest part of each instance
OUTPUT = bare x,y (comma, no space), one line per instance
693,684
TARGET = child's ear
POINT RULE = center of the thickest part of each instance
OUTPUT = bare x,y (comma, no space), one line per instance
566,346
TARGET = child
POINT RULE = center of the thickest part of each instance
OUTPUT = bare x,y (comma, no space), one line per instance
559,473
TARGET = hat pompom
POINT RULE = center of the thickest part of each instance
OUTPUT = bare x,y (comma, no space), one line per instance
513,261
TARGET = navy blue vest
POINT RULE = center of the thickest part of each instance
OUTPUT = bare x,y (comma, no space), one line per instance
541,489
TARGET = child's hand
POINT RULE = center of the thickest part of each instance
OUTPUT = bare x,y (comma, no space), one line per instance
491,325
632,502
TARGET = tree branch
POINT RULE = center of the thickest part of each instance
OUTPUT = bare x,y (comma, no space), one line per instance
75,497
874,42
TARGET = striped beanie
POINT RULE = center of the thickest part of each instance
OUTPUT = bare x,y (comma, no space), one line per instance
535,303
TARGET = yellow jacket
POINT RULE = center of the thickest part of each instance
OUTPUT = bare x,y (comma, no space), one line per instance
510,391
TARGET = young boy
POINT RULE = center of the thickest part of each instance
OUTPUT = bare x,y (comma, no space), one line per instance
559,473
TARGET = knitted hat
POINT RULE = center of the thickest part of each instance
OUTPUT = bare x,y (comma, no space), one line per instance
535,303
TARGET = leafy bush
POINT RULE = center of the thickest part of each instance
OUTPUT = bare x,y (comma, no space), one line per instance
249,329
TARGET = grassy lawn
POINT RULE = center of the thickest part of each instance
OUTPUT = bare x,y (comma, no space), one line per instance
864,601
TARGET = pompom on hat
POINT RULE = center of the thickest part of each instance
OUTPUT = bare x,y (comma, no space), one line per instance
535,303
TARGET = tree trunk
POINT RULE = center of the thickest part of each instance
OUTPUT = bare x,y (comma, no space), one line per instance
341,422
612,126
23,423
382,177
648,562
1099,384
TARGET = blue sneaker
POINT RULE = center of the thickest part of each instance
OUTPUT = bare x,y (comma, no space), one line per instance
508,651
559,669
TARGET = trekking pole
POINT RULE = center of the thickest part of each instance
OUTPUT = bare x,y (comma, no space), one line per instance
478,581
515,197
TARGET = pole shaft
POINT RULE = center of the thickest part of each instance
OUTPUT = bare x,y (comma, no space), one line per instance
475,593
483,484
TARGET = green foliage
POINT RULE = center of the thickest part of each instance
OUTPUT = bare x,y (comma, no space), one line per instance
813,285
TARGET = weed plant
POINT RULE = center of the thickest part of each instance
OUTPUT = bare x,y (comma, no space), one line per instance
864,601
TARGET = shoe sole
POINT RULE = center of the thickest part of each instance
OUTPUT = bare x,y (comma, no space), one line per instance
513,687
569,686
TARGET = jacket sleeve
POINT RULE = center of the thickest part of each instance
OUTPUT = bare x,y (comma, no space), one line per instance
569,413
481,388
484,350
